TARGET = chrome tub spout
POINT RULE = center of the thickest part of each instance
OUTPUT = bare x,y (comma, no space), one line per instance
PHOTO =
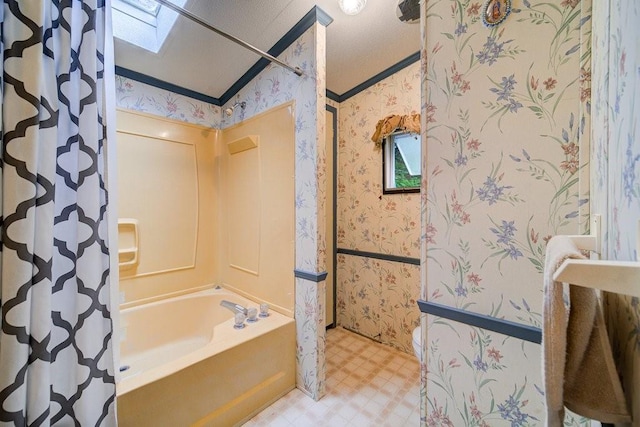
236,308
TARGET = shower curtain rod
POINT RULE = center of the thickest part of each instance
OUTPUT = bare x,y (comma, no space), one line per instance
242,43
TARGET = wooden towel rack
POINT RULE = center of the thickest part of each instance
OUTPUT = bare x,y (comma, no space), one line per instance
621,277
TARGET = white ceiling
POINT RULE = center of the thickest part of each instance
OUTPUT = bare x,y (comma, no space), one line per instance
358,47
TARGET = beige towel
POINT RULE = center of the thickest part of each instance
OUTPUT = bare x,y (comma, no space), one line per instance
578,368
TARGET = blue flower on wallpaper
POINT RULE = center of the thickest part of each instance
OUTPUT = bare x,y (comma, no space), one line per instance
490,191
461,291
491,51
514,252
304,228
298,49
505,232
461,160
461,29
510,411
480,364
307,70
629,171
518,159
505,88
514,105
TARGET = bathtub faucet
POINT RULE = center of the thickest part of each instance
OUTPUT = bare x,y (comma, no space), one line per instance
236,308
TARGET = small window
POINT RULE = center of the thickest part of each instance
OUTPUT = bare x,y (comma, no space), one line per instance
140,11
147,6
143,23
401,163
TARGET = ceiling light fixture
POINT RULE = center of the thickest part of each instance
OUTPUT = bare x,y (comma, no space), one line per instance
352,7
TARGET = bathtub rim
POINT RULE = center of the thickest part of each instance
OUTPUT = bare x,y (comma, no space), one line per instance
230,338
170,295
233,289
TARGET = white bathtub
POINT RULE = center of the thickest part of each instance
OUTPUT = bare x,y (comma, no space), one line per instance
185,364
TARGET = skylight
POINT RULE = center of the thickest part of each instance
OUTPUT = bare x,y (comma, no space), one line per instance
147,6
143,23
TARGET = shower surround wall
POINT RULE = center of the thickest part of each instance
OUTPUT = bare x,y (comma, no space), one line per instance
507,143
616,171
254,187
376,298
275,86
165,176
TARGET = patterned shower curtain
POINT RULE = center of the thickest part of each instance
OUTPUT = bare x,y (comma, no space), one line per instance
56,361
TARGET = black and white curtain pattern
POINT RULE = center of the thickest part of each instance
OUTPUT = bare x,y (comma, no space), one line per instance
56,361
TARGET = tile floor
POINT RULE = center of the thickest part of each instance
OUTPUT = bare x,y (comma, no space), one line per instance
368,384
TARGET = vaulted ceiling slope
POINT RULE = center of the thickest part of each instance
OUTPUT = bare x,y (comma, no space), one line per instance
194,58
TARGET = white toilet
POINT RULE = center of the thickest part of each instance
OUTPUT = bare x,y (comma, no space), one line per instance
416,335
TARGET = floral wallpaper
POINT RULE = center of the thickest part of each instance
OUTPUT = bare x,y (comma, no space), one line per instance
134,95
272,87
616,179
506,111
376,298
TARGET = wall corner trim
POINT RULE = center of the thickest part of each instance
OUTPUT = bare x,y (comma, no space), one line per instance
322,17
312,277
161,84
333,96
414,57
314,15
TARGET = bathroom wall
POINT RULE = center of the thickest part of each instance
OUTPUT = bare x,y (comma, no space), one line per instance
376,298
616,169
507,110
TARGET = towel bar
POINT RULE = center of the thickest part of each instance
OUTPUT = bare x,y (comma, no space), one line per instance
621,277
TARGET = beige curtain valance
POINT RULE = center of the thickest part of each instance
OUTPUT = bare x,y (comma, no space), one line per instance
394,122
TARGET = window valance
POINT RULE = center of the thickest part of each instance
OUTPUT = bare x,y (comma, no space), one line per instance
394,122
